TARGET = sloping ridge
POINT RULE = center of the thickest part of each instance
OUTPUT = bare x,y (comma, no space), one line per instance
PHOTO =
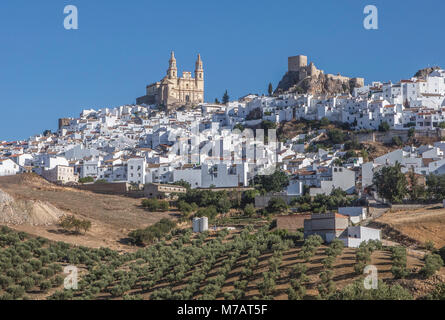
32,212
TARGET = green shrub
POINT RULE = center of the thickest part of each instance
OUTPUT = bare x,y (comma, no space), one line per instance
276,205
86,180
249,210
433,263
45,285
27,283
5,281
151,233
16,291
357,291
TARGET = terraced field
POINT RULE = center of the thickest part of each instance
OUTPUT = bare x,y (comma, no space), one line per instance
247,264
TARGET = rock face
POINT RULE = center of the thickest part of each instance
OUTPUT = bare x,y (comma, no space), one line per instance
31,212
422,73
318,84
303,78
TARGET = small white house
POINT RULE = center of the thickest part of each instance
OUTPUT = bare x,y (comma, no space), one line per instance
8,167
354,236
356,214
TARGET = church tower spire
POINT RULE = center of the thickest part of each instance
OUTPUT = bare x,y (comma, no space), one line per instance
172,71
199,70
199,79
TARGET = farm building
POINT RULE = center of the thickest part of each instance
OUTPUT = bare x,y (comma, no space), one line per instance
162,191
327,225
354,236
355,214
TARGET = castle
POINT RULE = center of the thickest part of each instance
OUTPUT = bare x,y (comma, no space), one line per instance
304,78
174,91
299,64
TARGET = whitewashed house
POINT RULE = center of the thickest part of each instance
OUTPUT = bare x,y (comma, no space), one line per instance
352,237
8,167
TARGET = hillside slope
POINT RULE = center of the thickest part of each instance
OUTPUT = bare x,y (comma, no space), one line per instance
34,205
31,212
421,225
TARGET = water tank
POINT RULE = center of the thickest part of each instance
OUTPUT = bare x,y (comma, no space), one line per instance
196,224
204,224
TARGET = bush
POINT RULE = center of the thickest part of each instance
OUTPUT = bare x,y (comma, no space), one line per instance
276,205
357,291
151,233
5,281
163,206
86,180
438,293
72,223
433,263
384,127
275,182
397,141
441,252
209,212
398,269
186,208
249,210
16,291
28,283
154,205
151,205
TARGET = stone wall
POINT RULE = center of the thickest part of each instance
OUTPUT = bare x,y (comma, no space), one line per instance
118,188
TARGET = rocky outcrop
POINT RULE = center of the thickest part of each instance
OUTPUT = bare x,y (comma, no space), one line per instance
303,78
32,212
422,73
317,84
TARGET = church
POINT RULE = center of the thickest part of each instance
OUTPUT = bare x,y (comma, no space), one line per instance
173,91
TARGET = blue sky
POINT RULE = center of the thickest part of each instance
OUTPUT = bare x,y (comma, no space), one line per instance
47,72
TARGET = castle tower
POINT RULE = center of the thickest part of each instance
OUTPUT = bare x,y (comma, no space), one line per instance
172,71
199,74
297,62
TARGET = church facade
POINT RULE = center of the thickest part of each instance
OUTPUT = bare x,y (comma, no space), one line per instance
174,91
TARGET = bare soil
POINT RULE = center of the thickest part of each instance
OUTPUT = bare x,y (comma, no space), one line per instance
422,225
112,217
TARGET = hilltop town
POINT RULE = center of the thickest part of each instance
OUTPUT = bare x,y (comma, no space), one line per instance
136,143
313,160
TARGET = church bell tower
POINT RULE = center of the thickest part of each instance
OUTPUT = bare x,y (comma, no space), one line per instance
172,71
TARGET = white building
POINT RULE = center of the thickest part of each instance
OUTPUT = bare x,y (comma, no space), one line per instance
8,167
355,214
354,236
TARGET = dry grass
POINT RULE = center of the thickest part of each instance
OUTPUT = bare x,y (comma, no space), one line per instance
422,225
112,216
